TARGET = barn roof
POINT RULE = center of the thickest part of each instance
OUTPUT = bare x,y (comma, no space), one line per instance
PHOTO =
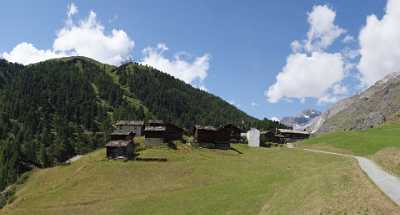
155,128
209,128
288,131
127,122
155,121
122,132
118,143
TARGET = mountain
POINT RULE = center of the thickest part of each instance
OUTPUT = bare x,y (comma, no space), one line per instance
301,120
53,110
372,107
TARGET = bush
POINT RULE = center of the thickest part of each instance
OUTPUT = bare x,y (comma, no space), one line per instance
6,195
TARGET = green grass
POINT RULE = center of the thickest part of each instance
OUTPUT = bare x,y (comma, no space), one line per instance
201,181
366,142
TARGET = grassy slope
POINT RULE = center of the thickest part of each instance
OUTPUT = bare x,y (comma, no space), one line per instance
380,144
365,143
199,181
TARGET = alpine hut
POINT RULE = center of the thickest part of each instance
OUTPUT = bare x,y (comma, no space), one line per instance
158,132
121,145
134,126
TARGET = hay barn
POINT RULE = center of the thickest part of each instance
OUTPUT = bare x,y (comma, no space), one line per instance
158,132
213,138
135,126
121,145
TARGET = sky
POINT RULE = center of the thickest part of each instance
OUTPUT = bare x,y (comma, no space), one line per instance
268,58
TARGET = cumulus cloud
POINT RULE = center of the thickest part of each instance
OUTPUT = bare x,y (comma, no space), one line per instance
87,38
189,71
72,10
307,76
27,53
254,104
310,71
323,31
380,45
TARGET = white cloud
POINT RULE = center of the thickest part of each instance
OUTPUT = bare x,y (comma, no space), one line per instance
179,67
254,104
87,38
348,39
276,119
296,46
26,53
323,31
310,71
72,10
380,45
307,76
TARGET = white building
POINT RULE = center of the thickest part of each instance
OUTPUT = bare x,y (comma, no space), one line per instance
253,137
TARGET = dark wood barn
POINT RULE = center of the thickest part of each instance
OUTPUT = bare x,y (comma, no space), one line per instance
230,133
293,135
221,138
121,145
135,126
158,132
282,136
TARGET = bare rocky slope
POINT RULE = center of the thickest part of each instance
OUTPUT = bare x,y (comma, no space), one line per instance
372,107
301,120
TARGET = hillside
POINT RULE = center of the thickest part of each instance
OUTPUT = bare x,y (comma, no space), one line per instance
378,104
53,110
381,143
200,181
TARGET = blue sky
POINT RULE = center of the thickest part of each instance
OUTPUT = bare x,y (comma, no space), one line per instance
244,43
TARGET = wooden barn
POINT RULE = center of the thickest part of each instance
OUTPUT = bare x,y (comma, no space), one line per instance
135,126
283,136
158,132
230,133
121,145
213,138
206,137
293,135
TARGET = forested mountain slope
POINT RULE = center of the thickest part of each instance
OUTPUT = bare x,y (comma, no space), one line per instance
53,110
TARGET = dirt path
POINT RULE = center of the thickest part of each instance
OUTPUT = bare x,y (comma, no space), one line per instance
387,183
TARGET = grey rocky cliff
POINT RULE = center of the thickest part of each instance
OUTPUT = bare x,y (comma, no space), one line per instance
372,107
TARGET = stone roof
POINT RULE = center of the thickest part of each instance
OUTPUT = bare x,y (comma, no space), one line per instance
118,143
209,128
122,132
155,128
292,131
127,122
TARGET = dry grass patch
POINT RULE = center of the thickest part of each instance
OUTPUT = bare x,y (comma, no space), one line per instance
389,159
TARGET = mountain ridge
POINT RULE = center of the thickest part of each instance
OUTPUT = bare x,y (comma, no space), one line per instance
372,107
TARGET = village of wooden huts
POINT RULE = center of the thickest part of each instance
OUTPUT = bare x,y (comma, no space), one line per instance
156,132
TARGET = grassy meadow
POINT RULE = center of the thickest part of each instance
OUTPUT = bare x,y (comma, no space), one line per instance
381,144
201,181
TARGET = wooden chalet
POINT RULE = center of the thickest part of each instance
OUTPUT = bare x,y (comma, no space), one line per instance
283,136
213,138
293,135
230,133
158,132
121,145
135,126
